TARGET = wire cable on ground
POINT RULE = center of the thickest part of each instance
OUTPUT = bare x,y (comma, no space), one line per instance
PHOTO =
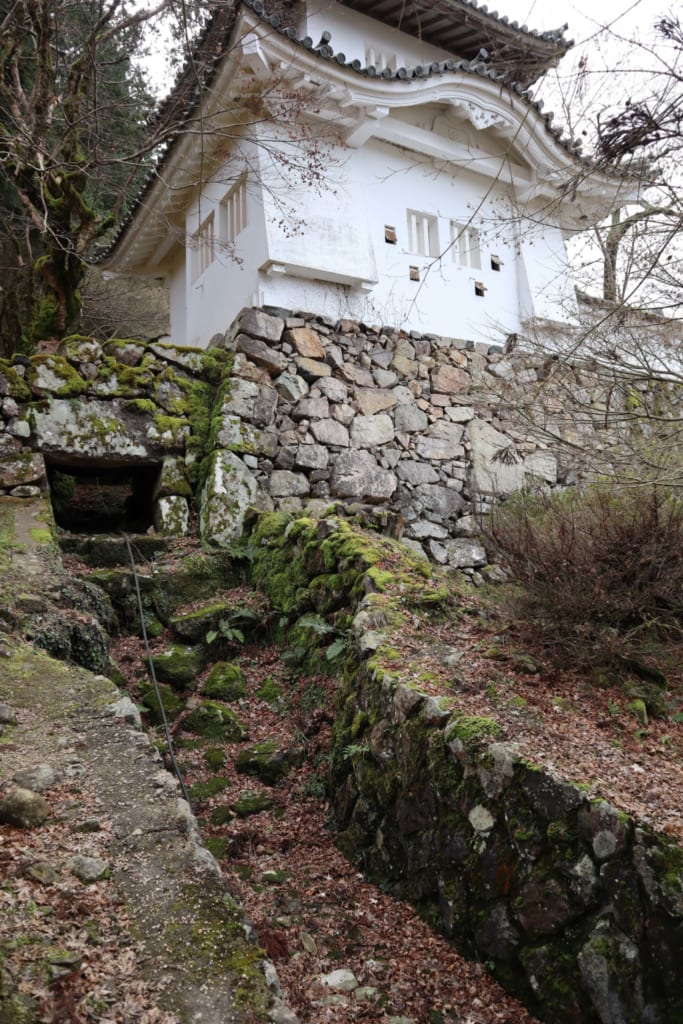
169,741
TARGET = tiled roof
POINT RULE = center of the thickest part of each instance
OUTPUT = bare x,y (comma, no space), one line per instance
178,108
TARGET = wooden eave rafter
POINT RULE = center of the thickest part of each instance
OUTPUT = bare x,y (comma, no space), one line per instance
463,28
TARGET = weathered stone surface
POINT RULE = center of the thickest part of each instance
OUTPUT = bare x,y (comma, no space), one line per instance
253,402
341,980
37,779
449,380
312,369
291,387
443,501
374,400
438,449
260,325
307,342
172,479
245,438
263,355
414,472
490,473
354,374
179,666
213,721
89,870
410,419
405,366
269,760
311,409
96,429
550,797
370,431
171,516
330,432
24,809
334,389
23,468
8,715
228,492
357,475
312,456
465,553
284,483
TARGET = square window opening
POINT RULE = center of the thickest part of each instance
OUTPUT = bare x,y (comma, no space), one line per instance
480,289
465,245
414,273
496,263
390,236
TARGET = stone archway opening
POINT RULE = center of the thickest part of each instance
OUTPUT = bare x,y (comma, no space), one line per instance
94,497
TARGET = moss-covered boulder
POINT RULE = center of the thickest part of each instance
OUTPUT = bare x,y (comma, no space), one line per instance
252,803
203,791
214,722
179,665
192,627
269,760
171,703
225,682
199,577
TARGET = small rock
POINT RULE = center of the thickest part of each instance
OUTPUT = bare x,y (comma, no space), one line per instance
8,715
24,809
41,872
89,825
89,869
342,980
37,779
308,942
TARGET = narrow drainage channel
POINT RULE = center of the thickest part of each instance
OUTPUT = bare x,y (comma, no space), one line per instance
344,950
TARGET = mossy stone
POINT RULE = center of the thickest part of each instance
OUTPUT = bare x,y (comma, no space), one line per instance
171,703
192,627
179,665
221,816
215,758
214,722
225,682
252,803
212,787
268,760
217,845
269,691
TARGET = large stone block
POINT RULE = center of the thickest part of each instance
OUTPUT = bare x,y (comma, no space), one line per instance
22,468
250,401
263,355
492,471
356,474
103,429
260,325
370,431
307,342
229,490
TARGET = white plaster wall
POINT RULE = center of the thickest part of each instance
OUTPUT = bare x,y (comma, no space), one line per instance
324,250
230,282
388,182
175,281
351,32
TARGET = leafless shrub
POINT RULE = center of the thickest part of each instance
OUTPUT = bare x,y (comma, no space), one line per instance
600,569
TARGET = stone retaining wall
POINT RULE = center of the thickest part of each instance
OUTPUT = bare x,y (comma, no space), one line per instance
576,907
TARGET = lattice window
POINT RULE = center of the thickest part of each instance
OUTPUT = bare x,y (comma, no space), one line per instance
203,247
465,245
233,212
423,234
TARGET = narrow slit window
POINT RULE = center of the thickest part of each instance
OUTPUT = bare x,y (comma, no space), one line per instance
465,245
480,289
414,273
390,236
233,212
203,247
496,263
423,234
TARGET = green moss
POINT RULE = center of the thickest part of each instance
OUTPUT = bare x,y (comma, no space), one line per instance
217,845
252,803
212,787
269,691
41,535
471,729
72,384
225,682
215,722
215,758
142,405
